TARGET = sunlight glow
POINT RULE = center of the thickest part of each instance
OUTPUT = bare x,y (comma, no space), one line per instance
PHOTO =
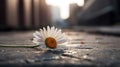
64,6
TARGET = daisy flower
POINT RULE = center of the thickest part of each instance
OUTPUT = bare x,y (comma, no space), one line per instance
49,37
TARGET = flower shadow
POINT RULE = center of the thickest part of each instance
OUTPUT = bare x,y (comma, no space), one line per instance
49,55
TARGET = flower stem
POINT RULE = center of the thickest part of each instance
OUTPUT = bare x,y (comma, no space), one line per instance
19,46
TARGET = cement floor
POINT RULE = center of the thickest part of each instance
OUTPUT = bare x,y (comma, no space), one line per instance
83,50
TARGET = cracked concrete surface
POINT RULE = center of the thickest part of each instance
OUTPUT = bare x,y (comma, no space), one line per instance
83,50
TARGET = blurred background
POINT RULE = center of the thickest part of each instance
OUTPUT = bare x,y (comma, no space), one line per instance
34,14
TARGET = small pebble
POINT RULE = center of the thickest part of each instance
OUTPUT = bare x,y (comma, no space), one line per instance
82,42
86,57
30,60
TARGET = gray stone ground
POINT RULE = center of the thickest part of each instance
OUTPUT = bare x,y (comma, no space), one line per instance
83,50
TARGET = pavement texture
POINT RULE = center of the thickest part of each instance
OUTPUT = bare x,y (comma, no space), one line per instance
83,50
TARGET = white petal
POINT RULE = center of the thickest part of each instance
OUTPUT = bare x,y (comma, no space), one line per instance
35,42
55,31
54,34
48,31
35,39
58,32
38,40
62,38
52,31
59,36
42,34
62,41
38,34
44,31
34,34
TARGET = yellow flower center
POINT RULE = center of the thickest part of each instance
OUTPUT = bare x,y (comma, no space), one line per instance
51,42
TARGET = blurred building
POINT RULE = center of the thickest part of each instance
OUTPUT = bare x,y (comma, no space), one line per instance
2,14
24,14
95,12
45,14
74,10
